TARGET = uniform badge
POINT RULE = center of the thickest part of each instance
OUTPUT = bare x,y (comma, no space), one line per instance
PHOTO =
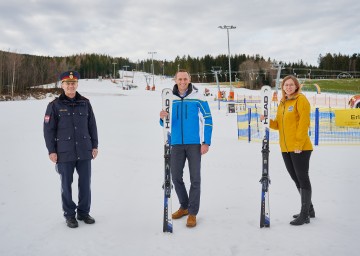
291,108
47,119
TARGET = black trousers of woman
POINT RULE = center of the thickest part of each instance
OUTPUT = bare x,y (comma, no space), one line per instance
297,166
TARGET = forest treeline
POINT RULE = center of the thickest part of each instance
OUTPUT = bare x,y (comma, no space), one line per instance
19,72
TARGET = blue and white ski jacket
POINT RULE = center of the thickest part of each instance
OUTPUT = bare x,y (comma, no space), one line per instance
191,120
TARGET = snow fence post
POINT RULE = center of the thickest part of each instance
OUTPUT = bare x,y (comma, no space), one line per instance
317,114
249,125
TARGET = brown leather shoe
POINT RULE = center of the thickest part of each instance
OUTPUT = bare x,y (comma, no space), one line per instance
191,221
180,213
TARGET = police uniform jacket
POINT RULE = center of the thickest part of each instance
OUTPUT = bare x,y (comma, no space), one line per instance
70,128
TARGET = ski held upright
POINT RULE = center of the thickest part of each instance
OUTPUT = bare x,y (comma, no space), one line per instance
265,179
167,105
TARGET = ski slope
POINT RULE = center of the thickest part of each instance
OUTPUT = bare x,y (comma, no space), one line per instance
127,195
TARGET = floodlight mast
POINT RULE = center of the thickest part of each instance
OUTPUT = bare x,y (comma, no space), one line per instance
231,94
152,64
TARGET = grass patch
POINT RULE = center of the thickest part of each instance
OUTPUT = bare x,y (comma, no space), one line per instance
341,86
345,86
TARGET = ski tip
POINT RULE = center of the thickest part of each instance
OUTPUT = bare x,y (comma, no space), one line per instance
266,88
166,91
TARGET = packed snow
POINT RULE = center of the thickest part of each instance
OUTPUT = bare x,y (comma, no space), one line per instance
127,195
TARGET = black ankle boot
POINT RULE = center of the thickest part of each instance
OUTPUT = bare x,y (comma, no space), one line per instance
311,212
305,207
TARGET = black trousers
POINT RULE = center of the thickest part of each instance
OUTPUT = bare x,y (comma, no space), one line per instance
66,171
298,167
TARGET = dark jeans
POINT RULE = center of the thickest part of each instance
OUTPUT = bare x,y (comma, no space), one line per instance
66,171
298,167
179,154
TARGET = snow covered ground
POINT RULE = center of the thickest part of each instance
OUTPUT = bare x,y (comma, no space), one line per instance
128,199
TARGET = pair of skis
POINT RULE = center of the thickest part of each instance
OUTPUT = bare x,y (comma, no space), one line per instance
166,105
265,179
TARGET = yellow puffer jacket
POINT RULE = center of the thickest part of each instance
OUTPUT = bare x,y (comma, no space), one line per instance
293,121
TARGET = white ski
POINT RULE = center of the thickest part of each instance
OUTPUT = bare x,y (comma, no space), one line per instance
265,179
166,105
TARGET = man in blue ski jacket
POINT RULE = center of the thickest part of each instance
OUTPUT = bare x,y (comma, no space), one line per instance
191,129
71,138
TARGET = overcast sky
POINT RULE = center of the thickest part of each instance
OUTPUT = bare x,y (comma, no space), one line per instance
282,30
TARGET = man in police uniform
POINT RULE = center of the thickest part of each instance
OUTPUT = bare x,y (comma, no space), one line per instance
71,139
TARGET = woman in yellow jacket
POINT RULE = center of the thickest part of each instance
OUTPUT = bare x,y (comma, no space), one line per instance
293,121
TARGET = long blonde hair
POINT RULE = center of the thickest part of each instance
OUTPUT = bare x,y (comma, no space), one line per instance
296,82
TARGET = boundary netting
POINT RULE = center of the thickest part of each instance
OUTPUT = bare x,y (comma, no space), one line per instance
322,130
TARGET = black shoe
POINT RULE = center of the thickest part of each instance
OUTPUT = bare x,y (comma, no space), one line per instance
87,219
72,222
